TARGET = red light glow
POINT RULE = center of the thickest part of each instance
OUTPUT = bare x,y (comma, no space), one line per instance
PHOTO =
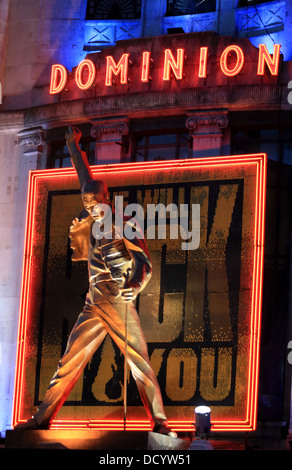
256,162
58,79
203,62
176,65
117,68
239,61
265,58
89,65
146,57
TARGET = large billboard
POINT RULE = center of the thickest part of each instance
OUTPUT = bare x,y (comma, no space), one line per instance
200,312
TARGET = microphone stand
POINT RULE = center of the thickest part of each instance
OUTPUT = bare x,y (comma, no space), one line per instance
126,354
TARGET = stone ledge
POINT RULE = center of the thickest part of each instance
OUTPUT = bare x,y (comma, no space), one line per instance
233,98
91,440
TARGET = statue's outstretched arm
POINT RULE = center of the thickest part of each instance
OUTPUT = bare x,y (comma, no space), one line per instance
79,158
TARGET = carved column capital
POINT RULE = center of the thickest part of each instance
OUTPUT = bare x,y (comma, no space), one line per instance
109,127
208,120
30,138
30,144
109,135
206,128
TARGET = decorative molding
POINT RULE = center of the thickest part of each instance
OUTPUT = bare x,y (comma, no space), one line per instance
127,31
256,97
107,33
260,19
31,138
191,23
209,120
112,127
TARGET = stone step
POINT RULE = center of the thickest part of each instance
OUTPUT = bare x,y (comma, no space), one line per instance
91,439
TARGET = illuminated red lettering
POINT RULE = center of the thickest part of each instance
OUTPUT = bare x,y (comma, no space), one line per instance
58,79
265,58
203,62
175,65
85,65
239,61
146,57
231,63
117,68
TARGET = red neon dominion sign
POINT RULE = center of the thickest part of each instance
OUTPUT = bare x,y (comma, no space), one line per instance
140,66
203,330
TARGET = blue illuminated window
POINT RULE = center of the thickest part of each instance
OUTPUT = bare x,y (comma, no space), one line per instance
275,142
189,7
113,9
247,3
160,146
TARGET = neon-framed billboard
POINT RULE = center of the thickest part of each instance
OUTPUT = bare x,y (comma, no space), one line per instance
200,312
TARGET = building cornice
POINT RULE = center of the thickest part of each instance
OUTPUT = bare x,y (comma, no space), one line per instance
234,98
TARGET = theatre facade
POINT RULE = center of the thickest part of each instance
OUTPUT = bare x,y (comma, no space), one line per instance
190,119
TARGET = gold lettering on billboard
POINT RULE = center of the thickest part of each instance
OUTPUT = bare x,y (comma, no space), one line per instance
207,269
215,386
181,373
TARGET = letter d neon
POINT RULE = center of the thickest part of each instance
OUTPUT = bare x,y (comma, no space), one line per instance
58,79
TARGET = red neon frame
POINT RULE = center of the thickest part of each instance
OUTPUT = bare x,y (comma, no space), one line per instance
257,162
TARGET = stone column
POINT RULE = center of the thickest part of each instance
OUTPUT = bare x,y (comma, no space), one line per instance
31,143
110,144
20,152
29,151
206,128
152,16
227,17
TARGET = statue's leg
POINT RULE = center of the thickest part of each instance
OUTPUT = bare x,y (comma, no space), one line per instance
86,336
113,313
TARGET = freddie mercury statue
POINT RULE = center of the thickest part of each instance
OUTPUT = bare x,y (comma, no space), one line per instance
110,260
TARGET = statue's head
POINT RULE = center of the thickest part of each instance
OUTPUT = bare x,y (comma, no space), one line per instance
95,197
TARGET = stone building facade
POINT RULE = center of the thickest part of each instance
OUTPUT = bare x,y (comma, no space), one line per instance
138,121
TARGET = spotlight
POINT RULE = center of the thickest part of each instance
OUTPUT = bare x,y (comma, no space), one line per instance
202,421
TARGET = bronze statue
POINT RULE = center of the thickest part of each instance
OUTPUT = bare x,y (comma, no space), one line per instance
118,270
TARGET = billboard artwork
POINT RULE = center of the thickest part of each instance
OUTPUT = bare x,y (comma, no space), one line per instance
203,220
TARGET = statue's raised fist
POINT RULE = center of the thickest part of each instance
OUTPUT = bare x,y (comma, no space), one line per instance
73,134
